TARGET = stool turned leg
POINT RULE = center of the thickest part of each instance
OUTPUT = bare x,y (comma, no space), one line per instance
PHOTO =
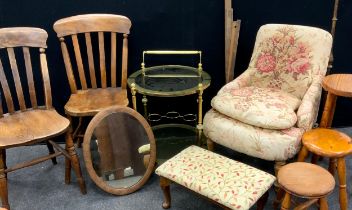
329,109
165,186
279,196
302,154
67,169
262,201
341,170
332,166
75,162
286,202
210,144
3,182
323,204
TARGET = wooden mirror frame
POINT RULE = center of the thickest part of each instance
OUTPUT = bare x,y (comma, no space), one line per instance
87,153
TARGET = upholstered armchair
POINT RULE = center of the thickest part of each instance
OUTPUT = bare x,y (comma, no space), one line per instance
264,112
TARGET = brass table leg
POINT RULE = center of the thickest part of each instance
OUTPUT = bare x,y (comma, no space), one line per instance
145,101
200,113
133,92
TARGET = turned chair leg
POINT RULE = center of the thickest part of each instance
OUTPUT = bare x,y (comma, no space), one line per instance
323,204
67,168
210,144
51,151
165,186
302,154
75,162
3,181
262,201
286,202
279,196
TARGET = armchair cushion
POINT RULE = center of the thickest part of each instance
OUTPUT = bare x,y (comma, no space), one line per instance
262,107
267,144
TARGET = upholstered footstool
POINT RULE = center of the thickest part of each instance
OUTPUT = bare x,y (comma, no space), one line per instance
230,184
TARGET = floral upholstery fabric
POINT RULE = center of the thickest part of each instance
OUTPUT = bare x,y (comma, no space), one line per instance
228,182
262,107
267,144
292,59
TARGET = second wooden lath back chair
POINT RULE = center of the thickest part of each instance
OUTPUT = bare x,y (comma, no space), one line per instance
93,89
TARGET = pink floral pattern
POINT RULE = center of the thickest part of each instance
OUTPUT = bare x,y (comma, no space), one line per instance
262,107
228,182
267,144
298,71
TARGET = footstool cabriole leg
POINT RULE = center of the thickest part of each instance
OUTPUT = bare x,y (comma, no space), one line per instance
165,186
323,204
341,170
262,201
302,154
3,181
286,202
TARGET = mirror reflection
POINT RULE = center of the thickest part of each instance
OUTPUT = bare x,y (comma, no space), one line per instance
120,150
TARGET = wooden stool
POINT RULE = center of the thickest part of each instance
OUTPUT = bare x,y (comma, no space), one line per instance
335,85
331,144
305,180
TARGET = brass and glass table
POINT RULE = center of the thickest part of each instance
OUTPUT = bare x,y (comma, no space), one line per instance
170,81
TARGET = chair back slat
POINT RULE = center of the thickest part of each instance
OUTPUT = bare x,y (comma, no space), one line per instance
124,62
79,62
90,60
29,73
96,28
113,59
92,23
102,59
6,90
16,78
68,66
46,79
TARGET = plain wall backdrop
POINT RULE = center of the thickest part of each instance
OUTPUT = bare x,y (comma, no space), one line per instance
186,25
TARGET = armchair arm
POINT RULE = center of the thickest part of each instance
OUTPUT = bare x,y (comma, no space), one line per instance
308,110
241,81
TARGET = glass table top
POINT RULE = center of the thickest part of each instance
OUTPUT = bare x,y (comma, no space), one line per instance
169,80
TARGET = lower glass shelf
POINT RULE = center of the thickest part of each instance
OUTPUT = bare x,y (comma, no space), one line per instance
173,138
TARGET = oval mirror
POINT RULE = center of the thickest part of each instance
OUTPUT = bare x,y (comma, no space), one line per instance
119,150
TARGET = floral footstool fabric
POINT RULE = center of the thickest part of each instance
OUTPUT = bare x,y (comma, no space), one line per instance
228,182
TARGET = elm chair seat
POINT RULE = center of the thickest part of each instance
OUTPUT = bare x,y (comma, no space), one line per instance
90,102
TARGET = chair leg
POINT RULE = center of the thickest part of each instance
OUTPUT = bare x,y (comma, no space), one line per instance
210,144
165,186
67,169
302,154
341,170
51,151
279,196
262,201
75,162
323,204
286,202
3,181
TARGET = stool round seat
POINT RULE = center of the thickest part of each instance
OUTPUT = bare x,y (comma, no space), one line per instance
327,142
338,84
306,180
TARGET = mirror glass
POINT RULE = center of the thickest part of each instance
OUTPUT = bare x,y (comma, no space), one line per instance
119,149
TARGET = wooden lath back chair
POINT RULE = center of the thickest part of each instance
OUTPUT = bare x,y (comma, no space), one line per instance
25,123
91,91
